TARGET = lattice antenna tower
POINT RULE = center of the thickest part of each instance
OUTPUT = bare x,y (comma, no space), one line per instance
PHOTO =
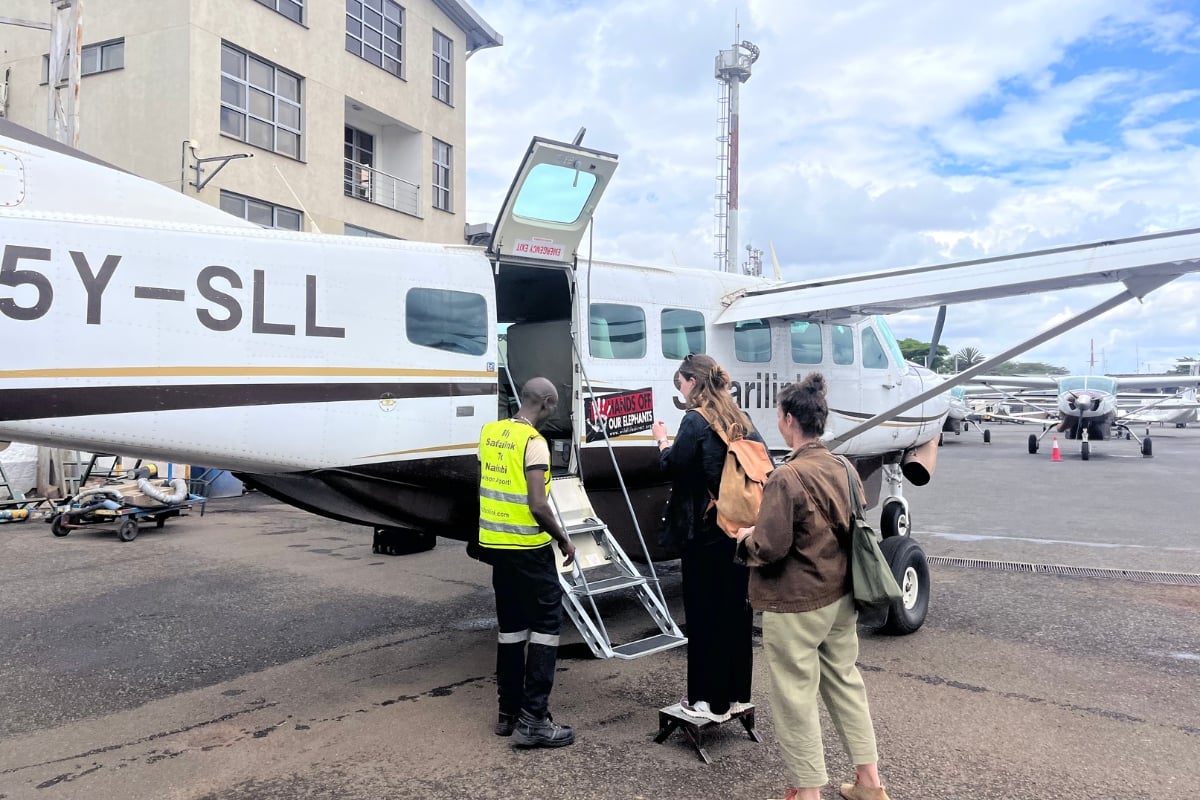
732,70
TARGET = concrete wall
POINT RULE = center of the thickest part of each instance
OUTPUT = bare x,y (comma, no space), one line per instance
169,90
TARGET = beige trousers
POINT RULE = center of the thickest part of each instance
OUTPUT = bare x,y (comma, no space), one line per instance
813,651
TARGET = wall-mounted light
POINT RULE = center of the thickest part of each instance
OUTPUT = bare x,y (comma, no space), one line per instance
200,181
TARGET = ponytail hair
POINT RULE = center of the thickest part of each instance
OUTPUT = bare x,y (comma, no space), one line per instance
712,392
806,402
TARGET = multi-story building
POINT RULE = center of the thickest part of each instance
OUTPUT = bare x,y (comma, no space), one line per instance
354,110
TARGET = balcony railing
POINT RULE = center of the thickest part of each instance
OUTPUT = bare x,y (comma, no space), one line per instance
378,187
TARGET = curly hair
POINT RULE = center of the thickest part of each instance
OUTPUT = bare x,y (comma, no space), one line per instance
805,401
712,392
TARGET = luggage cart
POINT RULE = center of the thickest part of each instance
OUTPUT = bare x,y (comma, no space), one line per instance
102,507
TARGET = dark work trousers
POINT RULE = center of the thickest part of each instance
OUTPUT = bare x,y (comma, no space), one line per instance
529,612
719,623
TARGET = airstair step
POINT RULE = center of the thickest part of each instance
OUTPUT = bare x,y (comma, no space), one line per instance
591,526
605,585
648,646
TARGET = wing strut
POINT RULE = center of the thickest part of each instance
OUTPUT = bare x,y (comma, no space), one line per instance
984,366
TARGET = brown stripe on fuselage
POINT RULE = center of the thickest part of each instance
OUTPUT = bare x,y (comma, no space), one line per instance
75,401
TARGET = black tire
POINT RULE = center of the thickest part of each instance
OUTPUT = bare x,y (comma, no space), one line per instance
941,438
911,571
128,530
1147,448
1084,451
57,527
160,521
987,436
1033,444
402,541
894,520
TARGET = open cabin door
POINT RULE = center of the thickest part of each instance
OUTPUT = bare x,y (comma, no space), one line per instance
551,202
534,248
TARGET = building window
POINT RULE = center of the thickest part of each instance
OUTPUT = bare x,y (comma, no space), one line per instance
682,332
752,341
292,9
268,215
442,154
375,33
260,103
359,152
365,233
616,331
447,320
102,57
443,54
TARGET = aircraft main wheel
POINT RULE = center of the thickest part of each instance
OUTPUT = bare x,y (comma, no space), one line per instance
1084,452
128,530
1147,449
894,520
966,425
911,571
987,436
1033,443
58,527
402,541
941,436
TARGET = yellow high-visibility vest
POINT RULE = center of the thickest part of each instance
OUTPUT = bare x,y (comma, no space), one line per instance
505,521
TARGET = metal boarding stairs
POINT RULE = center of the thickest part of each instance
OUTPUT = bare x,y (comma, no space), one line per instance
602,567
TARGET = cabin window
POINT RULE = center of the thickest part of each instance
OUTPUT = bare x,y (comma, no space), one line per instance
872,351
616,331
806,343
752,341
682,332
843,344
456,322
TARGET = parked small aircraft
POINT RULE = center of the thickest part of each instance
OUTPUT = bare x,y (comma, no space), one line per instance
1088,408
350,377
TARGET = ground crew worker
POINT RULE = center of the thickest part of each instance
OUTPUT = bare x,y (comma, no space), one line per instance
516,527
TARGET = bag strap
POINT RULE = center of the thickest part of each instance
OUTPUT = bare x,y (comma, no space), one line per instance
856,500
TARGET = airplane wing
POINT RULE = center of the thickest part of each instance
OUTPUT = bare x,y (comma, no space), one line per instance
1142,263
996,382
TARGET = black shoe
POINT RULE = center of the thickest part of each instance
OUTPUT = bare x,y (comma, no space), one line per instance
533,732
505,723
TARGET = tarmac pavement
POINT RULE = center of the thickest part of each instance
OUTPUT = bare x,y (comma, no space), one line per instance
260,652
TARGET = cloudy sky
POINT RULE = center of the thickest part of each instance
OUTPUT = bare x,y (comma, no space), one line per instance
873,135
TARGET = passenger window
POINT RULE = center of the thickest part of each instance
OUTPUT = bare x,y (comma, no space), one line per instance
616,331
843,344
752,340
873,355
682,332
456,322
806,343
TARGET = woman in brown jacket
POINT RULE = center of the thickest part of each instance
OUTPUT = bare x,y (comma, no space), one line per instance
801,582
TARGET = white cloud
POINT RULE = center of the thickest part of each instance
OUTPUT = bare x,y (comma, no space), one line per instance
873,135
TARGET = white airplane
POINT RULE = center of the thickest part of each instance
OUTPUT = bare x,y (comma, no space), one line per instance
1088,408
350,377
1179,410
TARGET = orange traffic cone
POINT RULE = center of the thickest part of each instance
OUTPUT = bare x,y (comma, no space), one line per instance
1054,454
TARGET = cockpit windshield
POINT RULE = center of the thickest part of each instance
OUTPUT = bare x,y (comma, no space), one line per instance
889,340
1079,383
